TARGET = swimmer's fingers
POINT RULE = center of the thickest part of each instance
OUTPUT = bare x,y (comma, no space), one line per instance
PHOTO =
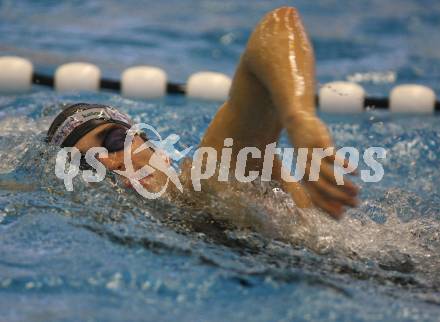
332,192
344,163
335,209
327,194
326,172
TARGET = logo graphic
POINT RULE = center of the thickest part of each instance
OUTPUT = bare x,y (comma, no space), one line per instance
164,149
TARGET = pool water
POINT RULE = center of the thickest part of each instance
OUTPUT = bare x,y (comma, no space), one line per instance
101,253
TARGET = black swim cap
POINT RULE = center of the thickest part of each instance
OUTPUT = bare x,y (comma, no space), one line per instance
78,119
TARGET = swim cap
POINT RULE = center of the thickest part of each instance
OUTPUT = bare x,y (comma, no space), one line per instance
77,120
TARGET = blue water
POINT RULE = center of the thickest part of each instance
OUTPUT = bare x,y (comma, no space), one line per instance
104,254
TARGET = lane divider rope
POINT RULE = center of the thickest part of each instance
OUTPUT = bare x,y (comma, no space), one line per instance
146,82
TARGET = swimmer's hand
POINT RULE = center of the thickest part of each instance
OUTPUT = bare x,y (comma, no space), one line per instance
308,131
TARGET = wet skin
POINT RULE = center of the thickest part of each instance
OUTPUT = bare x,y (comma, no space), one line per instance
274,89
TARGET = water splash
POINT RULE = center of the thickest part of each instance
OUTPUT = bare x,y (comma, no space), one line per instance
249,230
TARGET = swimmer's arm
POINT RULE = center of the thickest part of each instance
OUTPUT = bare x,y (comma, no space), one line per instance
274,88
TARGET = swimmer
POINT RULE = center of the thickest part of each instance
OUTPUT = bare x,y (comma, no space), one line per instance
273,89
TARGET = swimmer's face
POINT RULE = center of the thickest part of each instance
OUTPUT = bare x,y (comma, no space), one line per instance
112,136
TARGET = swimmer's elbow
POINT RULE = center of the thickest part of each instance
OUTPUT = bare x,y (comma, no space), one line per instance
276,29
281,18
278,34
285,10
